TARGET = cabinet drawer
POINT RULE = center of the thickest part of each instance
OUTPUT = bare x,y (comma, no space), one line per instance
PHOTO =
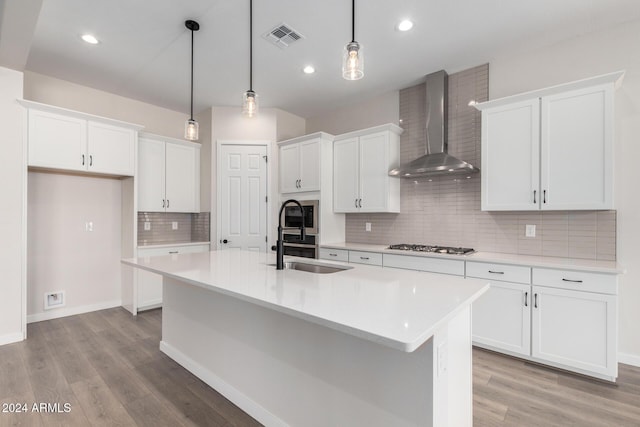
501,272
334,254
371,258
434,265
171,250
576,280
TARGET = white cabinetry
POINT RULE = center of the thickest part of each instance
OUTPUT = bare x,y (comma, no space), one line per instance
149,285
300,166
168,175
361,164
502,316
550,149
69,140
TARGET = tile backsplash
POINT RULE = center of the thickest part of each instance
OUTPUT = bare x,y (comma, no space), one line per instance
192,227
446,211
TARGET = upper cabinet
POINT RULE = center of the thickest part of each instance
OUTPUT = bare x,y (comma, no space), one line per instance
168,175
550,149
361,164
69,140
300,164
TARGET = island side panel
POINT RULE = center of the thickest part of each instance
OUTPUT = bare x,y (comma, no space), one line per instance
287,371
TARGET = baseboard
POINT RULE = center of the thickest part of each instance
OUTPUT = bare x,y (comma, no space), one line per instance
227,390
71,311
629,359
11,338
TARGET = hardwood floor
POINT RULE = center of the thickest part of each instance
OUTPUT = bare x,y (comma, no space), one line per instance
106,365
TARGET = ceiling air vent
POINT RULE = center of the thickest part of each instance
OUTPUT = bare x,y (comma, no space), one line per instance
282,36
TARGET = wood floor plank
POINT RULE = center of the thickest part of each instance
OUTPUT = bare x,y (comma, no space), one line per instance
234,415
100,406
149,412
22,418
14,379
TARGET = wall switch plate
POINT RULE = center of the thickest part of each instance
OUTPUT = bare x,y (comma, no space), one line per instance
530,230
174,225
88,226
147,226
367,226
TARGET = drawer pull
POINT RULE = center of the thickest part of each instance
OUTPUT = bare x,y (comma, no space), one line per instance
333,254
173,252
572,281
526,299
364,257
535,300
496,272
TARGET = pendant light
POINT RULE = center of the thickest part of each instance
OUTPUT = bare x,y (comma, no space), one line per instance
191,127
352,57
250,98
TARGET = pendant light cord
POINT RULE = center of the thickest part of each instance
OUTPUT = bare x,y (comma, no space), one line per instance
191,74
353,21
251,45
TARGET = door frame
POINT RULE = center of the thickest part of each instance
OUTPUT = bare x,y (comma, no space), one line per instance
248,142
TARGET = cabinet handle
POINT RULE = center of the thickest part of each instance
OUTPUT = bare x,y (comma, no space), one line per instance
535,300
333,254
90,160
83,160
572,281
534,197
163,203
300,183
173,252
496,272
526,299
356,201
296,183
360,203
364,257
544,196
167,203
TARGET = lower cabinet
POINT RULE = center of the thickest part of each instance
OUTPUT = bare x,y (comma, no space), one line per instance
149,285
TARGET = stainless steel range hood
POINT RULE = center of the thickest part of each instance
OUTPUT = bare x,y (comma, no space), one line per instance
436,161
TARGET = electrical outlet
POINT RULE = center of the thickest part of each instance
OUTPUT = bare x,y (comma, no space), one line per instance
530,230
147,226
88,226
367,226
54,300
174,225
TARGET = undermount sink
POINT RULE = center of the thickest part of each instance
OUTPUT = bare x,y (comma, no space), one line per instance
317,268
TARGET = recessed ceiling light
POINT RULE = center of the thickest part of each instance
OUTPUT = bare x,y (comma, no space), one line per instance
405,25
90,39
309,69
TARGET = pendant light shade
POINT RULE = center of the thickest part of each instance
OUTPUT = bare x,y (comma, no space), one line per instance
191,127
250,98
353,57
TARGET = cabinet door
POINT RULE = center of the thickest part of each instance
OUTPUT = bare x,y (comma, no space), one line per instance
151,175
110,149
309,166
57,141
182,181
502,318
510,157
577,147
289,168
345,175
575,329
374,172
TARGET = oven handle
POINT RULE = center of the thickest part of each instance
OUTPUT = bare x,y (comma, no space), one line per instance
299,245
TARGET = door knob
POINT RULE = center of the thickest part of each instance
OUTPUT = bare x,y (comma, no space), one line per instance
225,241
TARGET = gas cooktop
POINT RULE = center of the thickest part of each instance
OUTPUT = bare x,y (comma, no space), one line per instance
433,249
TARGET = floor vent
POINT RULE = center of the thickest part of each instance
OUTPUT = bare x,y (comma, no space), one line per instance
282,36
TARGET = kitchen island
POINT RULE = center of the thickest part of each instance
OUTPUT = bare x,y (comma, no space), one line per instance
366,345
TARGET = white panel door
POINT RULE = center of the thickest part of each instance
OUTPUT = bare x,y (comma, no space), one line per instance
151,175
242,182
57,141
374,178
182,185
345,175
289,168
502,317
577,149
576,329
110,149
309,152
511,157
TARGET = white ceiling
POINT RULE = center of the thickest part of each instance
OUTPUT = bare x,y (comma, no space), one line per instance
145,48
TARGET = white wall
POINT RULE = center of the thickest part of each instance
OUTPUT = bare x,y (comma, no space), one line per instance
581,57
64,256
365,114
12,176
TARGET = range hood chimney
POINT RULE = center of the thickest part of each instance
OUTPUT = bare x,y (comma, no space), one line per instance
436,161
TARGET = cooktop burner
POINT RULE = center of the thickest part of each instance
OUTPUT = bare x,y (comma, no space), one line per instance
433,249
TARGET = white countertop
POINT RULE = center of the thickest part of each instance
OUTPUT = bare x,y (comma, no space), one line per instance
609,267
398,308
